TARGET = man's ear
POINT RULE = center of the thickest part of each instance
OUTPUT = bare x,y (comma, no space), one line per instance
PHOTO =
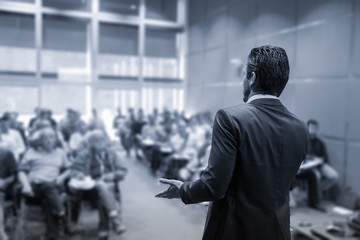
252,78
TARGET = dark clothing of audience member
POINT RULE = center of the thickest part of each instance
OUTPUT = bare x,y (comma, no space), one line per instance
117,119
322,176
7,178
8,168
317,148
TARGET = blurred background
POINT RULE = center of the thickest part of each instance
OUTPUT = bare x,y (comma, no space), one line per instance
100,58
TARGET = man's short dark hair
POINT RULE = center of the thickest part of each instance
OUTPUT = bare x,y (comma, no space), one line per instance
271,66
313,121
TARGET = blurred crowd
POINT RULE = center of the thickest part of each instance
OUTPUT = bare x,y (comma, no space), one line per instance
58,165
171,144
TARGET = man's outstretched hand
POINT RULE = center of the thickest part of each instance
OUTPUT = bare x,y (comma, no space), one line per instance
173,191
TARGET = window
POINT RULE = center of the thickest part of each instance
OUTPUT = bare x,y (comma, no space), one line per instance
64,54
160,60
18,98
22,1
17,43
161,9
118,52
60,97
160,98
126,7
82,5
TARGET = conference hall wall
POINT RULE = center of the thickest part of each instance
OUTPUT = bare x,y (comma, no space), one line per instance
321,38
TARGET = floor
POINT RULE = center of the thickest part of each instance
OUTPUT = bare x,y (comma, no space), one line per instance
147,217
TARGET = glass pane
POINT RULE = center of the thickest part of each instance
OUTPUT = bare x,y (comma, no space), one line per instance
161,9
22,1
17,43
20,99
60,97
127,98
118,52
104,99
64,54
160,98
82,5
105,102
161,55
128,7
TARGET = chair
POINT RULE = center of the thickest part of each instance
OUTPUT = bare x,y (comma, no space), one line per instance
31,214
10,217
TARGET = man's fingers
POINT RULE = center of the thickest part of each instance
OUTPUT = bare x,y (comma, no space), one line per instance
167,181
162,194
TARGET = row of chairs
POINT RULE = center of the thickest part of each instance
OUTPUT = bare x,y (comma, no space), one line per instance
24,216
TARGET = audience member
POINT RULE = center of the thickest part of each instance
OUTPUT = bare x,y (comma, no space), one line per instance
150,131
47,114
41,172
194,168
16,125
37,112
99,162
69,124
7,178
320,175
10,138
125,132
78,137
119,118
95,122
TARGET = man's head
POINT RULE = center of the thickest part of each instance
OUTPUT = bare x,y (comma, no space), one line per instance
266,72
46,138
94,112
5,123
37,111
97,140
82,128
119,111
313,126
42,123
47,114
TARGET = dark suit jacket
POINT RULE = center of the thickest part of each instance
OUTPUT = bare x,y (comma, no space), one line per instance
256,152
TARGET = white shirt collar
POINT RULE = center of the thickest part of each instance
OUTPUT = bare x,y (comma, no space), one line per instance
259,96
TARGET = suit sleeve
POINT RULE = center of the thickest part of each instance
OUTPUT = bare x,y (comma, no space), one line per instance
215,180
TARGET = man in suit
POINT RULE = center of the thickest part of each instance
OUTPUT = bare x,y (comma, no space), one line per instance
256,151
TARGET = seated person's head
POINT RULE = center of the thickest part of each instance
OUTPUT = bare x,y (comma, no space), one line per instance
82,128
46,139
193,122
5,124
313,127
266,72
182,129
42,123
48,114
96,140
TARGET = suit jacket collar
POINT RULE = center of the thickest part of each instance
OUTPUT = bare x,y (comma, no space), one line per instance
266,101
